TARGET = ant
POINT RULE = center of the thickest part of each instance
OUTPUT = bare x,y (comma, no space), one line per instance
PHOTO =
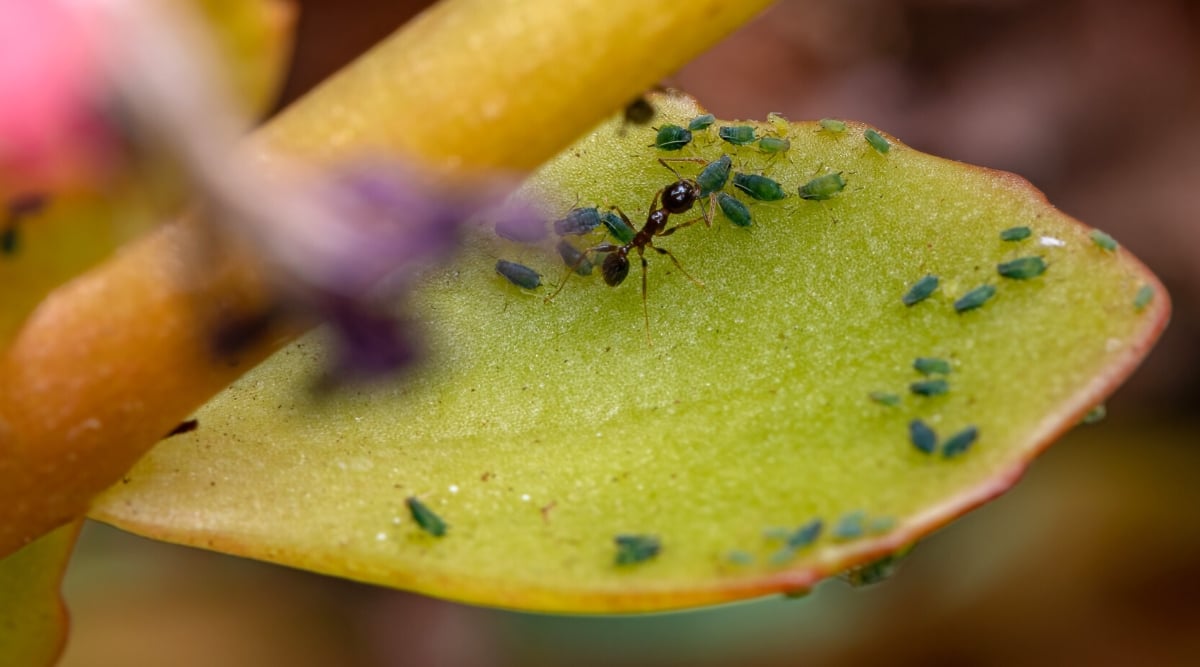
676,198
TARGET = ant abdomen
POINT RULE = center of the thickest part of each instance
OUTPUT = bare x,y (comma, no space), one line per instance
615,269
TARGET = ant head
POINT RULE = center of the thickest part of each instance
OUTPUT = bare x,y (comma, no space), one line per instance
615,268
680,196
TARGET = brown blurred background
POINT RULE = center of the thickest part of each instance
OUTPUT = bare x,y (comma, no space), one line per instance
1091,559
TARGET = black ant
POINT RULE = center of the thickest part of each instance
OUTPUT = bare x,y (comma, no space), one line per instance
676,198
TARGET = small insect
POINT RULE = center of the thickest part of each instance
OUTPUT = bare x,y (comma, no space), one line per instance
736,211
1144,296
959,443
425,517
929,387
739,557
877,141
632,549
850,526
885,398
931,366
1016,234
975,298
774,145
519,274
522,230
1095,415
823,187
702,122
578,221
714,176
1103,240
880,525
738,135
186,426
620,229
832,125
672,137
758,187
922,436
1022,268
920,290
640,111
574,257
805,535
681,195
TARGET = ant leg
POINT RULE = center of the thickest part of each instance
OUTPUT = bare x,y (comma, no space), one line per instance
603,247
671,230
668,253
645,308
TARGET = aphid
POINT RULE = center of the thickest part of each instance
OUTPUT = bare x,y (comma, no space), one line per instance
1095,415
640,111
833,125
714,176
1016,234
615,266
633,549
519,274
850,526
672,137
620,229
877,141
805,535
186,426
920,290
975,298
702,122
1144,296
1104,240
738,135
522,230
931,365
823,187
574,257
922,436
578,221
880,525
885,398
1022,268
774,145
739,557
425,518
736,211
876,571
758,187
929,387
960,442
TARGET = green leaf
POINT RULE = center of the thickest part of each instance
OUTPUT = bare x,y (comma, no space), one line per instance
540,432
33,623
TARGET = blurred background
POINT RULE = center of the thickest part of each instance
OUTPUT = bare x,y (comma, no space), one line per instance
1090,559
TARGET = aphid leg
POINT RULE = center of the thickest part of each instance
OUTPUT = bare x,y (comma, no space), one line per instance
603,247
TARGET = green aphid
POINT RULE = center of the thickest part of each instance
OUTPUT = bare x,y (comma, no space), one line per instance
823,187
920,290
922,436
975,298
1022,268
1104,240
1016,234
518,274
880,525
959,443
929,387
702,122
885,398
774,145
574,258
1095,415
758,187
738,135
714,176
633,549
672,137
620,230
877,141
850,526
736,211
739,557
425,518
578,221
876,571
1144,296
931,366
805,535
783,556
833,125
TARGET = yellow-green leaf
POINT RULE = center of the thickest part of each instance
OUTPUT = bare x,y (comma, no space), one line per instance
540,432
33,623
